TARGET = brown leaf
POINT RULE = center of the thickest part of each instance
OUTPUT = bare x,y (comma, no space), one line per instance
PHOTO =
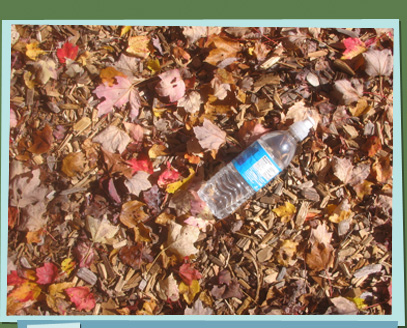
320,257
132,213
383,169
73,163
43,140
223,48
115,164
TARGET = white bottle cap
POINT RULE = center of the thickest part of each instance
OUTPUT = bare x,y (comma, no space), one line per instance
301,129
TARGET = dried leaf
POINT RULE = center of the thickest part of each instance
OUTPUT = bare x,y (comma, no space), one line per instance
113,139
223,48
379,62
285,212
168,289
135,131
100,230
108,74
171,85
47,273
350,93
138,183
343,306
198,309
132,213
286,252
191,102
188,273
181,239
209,135
117,96
189,291
174,186
33,51
139,46
25,190
68,50
142,163
73,163
354,47
43,140
320,257
170,175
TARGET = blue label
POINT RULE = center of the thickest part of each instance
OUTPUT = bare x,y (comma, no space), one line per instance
256,166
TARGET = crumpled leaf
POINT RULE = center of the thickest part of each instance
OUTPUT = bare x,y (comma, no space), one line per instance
168,176
321,235
33,51
189,291
171,85
138,183
113,139
354,47
188,273
198,309
73,163
68,50
223,48
43,140
191,102
139,46
342,306
286,252
45,70
350,93
81,297
320,257
117,96
127,65
47,273
100,230
168,289
181,239
285,212
379,62
132,213
209,135
194,33
344,169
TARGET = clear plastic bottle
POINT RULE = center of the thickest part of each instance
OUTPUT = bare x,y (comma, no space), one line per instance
261,162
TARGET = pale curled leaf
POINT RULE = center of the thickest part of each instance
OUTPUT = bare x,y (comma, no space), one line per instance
321,234
181,239
138,183
168,289
100,229
209,135
379,62
351,93
112,139
171,85
191,102
198,309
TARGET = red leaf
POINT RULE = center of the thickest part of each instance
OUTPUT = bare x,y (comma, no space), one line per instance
354,47
168,176
188,273
14,279
68,50
142,163
82,297
46,274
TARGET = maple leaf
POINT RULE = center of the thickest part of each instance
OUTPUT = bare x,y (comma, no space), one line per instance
43,140
45,70
135,255
115,164
14,279
68,50
321,235
320,257
168,289
118,95
56,298
354,47
47,273
127,65
198,309
174,186
209,135
142,163
191,102
81,297
100,230
181,239
351,93
171,85
379,62
139,46
188,273
112,139
33,51
27,291
168,176
138,183
108,74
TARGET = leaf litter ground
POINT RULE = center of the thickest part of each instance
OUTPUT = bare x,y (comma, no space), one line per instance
114,129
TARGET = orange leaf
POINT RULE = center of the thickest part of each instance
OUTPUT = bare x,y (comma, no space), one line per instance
43,140
28,291
320,257
73,163
132,213
108,75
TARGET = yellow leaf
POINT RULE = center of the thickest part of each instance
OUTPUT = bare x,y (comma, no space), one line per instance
28,80
285,212
68,265
138,46
286,252
189,292
343,215
125,30
33,51
360,302
157,150
35,237
154,66
73,164
108,75
148,308
173,187
56,297
28,291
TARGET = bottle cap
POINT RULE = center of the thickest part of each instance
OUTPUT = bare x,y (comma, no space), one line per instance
301,129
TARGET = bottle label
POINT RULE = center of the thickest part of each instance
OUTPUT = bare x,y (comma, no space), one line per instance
256,166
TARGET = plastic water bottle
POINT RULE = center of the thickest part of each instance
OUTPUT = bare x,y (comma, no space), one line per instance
250,171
